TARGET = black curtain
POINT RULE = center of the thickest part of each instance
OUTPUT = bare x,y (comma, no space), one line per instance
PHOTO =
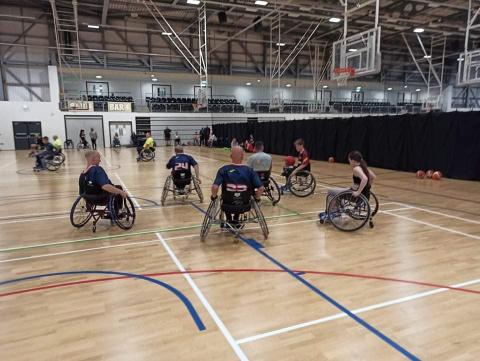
449,142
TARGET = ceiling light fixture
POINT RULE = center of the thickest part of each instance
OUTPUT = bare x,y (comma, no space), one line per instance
288,85
280,44
427,56
154,79
418,90
166,33
193,2
248,84
389,89
334,20
98,76
418,30
93,26
261,3
325,86
352,50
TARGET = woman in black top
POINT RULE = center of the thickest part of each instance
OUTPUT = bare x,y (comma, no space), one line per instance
363,179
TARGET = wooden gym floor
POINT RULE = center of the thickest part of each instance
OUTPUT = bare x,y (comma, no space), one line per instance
313,292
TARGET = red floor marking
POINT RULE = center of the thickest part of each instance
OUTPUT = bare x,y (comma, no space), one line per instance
240,270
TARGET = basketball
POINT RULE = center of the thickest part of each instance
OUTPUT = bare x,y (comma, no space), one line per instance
429,173
289,161
420,174
437,175
331,160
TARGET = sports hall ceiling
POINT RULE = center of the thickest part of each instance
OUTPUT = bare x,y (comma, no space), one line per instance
437,17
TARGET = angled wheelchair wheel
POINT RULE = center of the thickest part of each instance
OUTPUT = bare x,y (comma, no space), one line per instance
348,213
123,217
166,189
53,166
273,192
302,184
260,219
147,155
374,205
212,212
198,189
80,213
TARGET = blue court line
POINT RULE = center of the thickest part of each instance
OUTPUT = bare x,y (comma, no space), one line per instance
172,289
258,248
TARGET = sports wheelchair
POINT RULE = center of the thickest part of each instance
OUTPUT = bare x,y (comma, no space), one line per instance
68,143
272,189
147,155
302,184
233,211
56,161
348,213
81,145
118,210
181,183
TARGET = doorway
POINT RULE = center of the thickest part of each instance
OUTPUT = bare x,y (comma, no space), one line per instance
73,124
25,133
124,131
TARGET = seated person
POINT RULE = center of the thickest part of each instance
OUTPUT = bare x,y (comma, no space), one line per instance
116,140
83,139
68,143
239,183
260,162
57,144
363,179
34,147
94,183
303,157
181,165
42,157
148,144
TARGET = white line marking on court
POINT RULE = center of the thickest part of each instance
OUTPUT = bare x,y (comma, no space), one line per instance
357,311
134,200
440,213
204,301
432,225
6,165
33,219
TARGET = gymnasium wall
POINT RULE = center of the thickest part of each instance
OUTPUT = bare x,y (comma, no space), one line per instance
448,142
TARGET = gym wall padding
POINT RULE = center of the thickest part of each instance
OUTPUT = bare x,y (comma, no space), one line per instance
449,142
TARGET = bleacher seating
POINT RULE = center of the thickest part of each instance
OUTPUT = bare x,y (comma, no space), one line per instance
100,101
215,105
363,107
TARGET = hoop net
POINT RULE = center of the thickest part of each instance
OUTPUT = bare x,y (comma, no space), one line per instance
202,101
341,75
276,102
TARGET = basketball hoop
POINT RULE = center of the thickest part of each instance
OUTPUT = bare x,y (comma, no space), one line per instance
341,75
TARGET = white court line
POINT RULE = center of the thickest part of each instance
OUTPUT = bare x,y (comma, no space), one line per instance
432,225
440,213
356,312
238,351
6,165
135,243
134,200
34,219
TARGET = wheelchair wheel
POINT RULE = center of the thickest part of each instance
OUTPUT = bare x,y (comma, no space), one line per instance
53,166
374,205
80,213
198,189
166,189
302,184
209,219
348,213
147,155
261,219
272,191
125,216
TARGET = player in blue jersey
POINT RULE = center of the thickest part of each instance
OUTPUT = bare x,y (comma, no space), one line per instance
181,165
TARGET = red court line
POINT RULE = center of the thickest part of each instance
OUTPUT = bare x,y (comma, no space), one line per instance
241,270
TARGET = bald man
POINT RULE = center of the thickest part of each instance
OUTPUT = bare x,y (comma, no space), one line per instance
235,179
94,179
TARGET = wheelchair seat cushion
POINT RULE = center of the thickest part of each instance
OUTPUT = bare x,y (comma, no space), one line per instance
236,208
97,199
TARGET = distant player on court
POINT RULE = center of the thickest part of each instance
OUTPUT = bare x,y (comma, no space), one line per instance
182,162
149,144
303,157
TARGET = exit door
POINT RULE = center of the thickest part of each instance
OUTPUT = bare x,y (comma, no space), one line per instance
25,133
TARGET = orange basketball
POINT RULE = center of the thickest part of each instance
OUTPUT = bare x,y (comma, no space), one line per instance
429,173
437,175
420,174
289,161
331,160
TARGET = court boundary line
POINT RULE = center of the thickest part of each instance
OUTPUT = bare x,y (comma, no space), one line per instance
257,247
357,311
221,326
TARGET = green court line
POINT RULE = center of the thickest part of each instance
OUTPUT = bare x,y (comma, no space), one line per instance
153,231
288,209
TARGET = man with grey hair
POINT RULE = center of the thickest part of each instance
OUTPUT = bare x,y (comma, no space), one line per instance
260,161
